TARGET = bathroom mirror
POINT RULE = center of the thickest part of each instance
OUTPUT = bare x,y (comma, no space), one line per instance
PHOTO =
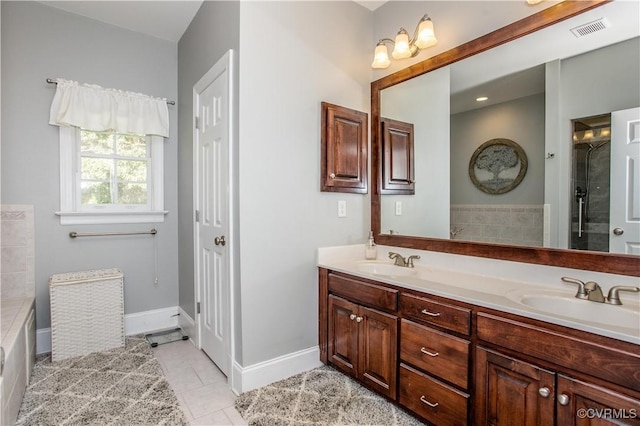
430,80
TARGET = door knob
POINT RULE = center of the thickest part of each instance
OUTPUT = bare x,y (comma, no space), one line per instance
219,241
618,231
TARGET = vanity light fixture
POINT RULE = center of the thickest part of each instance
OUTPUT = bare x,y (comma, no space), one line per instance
533,2
423,37
482,99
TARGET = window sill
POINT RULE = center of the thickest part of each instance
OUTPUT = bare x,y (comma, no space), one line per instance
100,218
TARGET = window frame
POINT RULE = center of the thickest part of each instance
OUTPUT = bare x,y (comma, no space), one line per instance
73,213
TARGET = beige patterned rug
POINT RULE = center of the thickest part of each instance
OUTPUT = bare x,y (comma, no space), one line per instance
123,386
319,397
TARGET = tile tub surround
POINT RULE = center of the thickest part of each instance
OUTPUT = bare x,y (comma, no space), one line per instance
17,243
486,282
18,342
498,223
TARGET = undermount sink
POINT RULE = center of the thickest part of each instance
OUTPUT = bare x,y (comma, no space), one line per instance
386,269
565,305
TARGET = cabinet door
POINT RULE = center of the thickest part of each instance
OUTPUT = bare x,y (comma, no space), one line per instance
344,149
378,350
581,403
343,335
512,392
397,157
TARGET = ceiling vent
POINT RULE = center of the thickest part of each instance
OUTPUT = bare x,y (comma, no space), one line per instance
590,28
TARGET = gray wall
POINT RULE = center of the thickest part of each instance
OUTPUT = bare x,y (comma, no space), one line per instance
40,42
213,31
522,121
284,217
424,102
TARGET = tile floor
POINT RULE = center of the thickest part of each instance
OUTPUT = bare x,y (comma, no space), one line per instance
200,387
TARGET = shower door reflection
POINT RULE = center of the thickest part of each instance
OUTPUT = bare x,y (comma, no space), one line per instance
590,212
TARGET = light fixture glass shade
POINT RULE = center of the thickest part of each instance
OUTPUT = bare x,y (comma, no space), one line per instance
532,2
402,49
426,36
380,57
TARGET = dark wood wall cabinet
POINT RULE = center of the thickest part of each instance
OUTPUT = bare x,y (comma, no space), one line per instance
344,149
398,168
453,363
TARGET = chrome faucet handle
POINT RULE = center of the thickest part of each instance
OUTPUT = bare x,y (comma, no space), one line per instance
582,293
410,260
594,292
613,297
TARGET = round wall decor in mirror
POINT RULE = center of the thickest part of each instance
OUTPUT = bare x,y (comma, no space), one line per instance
498,166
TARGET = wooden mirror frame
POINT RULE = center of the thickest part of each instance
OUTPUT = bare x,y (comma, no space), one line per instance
594,261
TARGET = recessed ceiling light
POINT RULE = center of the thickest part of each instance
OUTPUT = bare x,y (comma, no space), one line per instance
481,99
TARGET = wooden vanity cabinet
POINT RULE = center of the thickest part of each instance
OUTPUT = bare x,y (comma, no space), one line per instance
434,369
491,367
363,341
542,389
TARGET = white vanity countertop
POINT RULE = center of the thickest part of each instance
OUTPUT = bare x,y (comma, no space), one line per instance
500,285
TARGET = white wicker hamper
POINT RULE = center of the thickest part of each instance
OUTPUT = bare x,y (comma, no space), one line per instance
87,312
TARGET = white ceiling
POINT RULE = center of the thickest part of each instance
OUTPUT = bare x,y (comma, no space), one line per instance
167,20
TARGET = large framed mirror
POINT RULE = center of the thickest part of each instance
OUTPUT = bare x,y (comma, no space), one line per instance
431,218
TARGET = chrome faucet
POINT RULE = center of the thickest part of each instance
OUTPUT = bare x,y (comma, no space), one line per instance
613,297
589,290
401,261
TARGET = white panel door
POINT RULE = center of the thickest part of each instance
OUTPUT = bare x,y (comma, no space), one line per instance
624,229
211,106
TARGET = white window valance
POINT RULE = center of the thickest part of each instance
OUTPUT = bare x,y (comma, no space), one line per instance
91,107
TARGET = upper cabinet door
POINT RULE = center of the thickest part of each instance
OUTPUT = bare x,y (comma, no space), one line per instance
344,149
397,157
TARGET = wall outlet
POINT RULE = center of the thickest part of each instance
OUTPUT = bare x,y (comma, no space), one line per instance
398,208
342,208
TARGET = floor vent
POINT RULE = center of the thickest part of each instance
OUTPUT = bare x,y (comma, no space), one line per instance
590,28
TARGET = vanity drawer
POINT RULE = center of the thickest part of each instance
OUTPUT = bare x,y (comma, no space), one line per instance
437,402
367,294
441,314
436,353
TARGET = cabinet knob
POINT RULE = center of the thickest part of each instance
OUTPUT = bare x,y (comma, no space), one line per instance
358,319
544,392
352,317
563,399
426,352
332,175
430,404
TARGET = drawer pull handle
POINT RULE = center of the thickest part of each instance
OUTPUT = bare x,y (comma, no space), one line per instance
425,351
431,314
430,404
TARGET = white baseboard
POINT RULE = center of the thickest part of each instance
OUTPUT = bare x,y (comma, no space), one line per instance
137,323
264,373
187,324
147,321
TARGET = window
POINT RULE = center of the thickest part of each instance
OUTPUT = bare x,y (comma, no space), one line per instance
110,177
